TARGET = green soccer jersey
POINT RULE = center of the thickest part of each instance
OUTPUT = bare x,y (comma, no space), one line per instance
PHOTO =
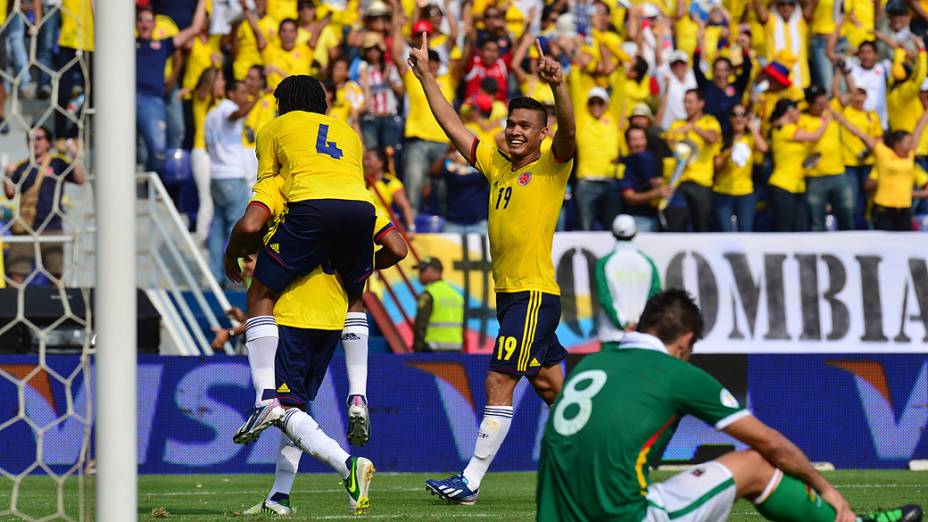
616,413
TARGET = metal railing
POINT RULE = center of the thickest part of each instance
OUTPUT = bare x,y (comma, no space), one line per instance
171,263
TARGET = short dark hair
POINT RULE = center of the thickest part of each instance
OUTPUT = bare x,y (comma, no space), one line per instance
381,155
895,137
287,21
434,56
487,40
524,102
300,93
48,133
670,314
813,92
723,59
641,67
697,92
490,85
231,84
868,43
261,73
634,128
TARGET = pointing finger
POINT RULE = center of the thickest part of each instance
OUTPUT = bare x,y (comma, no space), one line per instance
541,53
425,42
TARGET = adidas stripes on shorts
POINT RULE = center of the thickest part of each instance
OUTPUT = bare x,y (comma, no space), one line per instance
527,341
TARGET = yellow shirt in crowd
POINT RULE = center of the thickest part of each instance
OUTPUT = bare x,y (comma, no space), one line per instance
202,55
597,146
294,61
263,113
828,148
76,25
420,122
248,53
895,177
788,156
383,192
700,169
734,179
852,147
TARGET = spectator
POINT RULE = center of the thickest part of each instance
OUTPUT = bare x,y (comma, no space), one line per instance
15,34
151,56
229,166
642,117
825,19
209,90
317,33
705,133
858,160
288,59
868,73
625,279
486,63
467,194
637,85
39,182
46,46
786,32
76,35
386,190
676,79
264,111
251,38
787,186
642,187
439,323
720,93
349,96
598,139
826,182
894,176
425,141
494,29
382,84
733,188
902,101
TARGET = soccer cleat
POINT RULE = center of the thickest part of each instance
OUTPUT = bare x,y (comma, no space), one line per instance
359,421
360,475
270,507
259,419
906,513
453,489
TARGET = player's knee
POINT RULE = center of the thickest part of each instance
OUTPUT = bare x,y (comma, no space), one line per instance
751,471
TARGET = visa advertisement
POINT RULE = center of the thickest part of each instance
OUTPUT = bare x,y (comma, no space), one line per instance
855,411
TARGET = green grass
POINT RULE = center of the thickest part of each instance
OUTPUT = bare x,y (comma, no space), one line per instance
505,496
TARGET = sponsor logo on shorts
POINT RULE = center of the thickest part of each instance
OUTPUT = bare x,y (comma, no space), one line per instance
283,388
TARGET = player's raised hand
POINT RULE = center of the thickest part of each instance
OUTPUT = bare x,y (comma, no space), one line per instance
549,71
418,59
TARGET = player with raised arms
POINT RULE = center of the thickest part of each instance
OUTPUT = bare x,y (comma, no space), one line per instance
527,188
620,408
329,218
310,318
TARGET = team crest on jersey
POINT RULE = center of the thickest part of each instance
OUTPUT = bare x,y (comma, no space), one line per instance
525,178
727,399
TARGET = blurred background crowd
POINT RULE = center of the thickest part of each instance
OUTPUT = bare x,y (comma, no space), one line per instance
693,115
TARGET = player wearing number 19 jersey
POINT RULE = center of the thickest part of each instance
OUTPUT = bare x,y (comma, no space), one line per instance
527,188
620,408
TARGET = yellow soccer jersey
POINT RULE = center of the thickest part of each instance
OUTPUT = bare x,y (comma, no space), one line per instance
828,147
524,207
895,178
316,301
319,157
597,147
76,25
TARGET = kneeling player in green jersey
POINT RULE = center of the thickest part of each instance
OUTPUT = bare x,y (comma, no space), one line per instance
619,409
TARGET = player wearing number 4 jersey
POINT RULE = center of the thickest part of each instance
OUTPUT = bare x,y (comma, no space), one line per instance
620,408
329,219
526,191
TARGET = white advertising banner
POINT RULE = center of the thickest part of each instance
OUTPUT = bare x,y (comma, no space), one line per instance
782,293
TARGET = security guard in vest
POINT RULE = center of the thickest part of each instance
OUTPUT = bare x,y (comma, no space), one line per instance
440,312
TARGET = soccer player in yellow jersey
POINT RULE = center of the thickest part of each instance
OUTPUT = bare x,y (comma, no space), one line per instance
329,219
526,191
311,322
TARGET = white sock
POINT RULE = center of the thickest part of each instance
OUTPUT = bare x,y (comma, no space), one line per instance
354,342
493,430
261,344
306,433
288,461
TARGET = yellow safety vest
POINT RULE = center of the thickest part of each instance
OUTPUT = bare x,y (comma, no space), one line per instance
446,324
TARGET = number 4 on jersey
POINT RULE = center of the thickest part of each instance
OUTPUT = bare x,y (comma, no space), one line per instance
323,146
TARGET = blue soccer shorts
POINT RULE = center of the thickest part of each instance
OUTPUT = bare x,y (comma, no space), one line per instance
302,359
527,341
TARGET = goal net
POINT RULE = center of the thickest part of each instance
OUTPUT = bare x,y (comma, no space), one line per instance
45,301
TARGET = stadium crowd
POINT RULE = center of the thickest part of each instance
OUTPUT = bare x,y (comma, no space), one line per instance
693,115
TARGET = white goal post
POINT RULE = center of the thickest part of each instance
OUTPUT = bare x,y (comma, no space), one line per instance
115,305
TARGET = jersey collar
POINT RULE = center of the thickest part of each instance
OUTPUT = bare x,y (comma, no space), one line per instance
642,341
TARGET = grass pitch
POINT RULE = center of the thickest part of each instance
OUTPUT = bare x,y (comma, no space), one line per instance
505,496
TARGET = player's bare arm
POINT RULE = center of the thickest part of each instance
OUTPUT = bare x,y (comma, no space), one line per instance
782,453
450,122
243,242
549,71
